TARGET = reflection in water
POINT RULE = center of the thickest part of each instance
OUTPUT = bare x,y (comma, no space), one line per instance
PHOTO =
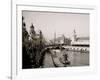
75,58
78,58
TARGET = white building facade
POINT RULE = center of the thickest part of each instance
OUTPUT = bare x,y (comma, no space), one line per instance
80,41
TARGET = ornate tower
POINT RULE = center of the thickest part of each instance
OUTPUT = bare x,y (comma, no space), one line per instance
32,32
74,36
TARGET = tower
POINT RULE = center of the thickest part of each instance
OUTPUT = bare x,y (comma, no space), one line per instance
32,32
74,36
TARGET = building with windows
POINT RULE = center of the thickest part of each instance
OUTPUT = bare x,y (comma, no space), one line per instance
79,41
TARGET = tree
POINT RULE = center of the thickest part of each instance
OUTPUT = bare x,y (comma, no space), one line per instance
31,47
25,46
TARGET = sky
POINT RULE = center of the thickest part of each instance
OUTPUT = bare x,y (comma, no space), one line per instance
60,23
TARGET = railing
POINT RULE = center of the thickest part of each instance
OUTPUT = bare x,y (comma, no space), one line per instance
84,49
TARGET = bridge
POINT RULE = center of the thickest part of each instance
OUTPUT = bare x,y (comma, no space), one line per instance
70,48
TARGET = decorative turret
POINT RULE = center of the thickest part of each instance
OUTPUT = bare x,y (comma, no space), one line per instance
32,32
74,36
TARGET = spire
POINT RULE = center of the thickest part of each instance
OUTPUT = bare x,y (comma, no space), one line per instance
32,25
54,37
74,31
75,35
